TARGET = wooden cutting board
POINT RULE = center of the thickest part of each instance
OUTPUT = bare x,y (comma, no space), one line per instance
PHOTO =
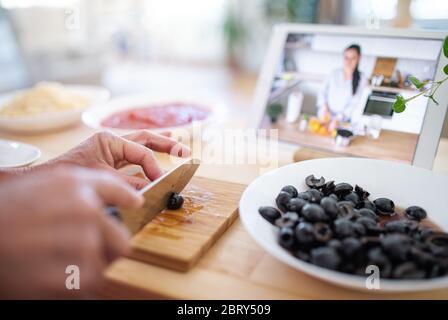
176,239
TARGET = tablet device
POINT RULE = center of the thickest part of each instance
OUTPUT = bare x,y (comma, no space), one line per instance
306,91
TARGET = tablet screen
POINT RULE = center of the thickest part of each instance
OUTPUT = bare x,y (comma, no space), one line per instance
325,84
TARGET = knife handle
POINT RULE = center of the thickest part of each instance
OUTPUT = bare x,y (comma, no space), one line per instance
113,212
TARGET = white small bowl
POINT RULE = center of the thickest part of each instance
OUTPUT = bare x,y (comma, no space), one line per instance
94,116
17,154
54,120
405,185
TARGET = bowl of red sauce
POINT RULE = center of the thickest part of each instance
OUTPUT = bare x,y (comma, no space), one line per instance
137,113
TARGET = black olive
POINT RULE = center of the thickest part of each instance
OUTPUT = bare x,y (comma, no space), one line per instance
370,225
335,244
348,267
325,257
322,232
305,196
313,182
296,205
438,244
361,192
359,229
344,228
346,210
376,256
330,206
291,190
286,238
282,200
425,233
415,213
289,220
437,271
352,196
351,247
175,201
316,195
269,213
396,246
368,214
367,204
333,196
371,241
401,226
304,233
314,213
302,255
408,270
421,257
342,189
384,206
328,188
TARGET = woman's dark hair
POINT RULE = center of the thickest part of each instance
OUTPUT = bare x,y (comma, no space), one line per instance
356,75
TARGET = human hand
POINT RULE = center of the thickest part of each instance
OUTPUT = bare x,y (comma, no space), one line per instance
110,152
54,218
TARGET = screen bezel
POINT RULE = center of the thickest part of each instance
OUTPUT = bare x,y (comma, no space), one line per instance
429,137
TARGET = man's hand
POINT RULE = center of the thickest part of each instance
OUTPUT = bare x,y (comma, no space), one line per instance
54,218
109,152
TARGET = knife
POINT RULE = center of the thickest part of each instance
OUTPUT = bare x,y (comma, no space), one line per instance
156,195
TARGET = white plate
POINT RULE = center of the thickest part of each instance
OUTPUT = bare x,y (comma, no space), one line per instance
94,116
404,184
17,154
54,120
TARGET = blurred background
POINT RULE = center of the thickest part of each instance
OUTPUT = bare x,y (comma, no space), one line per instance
132,46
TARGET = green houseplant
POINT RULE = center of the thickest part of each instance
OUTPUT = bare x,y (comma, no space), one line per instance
426,88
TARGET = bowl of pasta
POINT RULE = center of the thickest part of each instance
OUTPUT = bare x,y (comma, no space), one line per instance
47,106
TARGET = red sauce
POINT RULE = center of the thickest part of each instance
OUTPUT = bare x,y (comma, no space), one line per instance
156,116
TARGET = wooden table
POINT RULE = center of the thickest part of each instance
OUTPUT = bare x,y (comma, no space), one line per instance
235,267
390,145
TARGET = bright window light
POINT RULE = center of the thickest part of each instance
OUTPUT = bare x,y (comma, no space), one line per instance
11,4
434,9
382,9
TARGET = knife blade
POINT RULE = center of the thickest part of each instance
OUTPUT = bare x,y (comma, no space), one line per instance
156,195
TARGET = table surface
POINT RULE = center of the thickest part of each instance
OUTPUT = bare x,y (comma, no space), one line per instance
235,267
390,145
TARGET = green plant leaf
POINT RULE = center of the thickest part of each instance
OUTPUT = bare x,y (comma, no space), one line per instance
445,69
399,104
417,83
445,47
431,97
274,111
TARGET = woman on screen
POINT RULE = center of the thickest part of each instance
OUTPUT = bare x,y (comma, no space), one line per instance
342,88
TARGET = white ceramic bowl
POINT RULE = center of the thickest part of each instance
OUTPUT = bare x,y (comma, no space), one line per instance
94,116
54,120
404,184
17,154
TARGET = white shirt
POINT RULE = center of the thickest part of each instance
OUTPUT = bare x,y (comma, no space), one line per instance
337,93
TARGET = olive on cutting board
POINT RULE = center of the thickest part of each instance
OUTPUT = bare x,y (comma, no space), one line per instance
336,226
175,201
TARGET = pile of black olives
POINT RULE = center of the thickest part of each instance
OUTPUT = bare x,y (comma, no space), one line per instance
336,226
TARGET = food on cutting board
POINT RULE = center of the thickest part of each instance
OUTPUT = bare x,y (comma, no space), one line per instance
175,201
45,97
157,116
336,226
